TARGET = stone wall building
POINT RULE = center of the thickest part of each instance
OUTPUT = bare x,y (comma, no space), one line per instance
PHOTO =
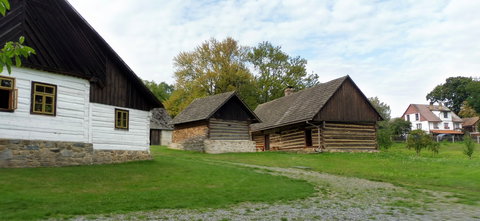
215,124
75,101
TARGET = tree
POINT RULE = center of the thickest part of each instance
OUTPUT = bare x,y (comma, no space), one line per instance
418,140
162,90
384,134
469,145
382,108
467,111
12,50
275,70
213,67
453,92
473,90
400,127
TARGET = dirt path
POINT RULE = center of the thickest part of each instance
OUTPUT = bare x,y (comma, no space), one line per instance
336,198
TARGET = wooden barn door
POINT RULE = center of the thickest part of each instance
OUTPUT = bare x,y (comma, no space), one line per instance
155,136
349,136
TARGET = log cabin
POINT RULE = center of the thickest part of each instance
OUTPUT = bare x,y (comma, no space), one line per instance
332,116
215,124
75,101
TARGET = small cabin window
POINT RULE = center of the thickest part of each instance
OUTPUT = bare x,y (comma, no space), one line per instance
8,94
44,98
417,117
121,119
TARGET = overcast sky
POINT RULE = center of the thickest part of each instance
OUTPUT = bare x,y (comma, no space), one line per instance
396,50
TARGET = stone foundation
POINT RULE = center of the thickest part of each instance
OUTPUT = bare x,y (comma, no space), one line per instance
36,153
216,146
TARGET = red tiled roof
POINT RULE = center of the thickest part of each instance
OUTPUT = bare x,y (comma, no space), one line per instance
426,113
446,132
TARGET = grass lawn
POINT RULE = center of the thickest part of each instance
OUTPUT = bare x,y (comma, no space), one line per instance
449,171
178,181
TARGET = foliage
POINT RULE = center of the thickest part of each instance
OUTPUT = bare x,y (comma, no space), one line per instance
469,145
162,90
400,127
12,50
384,134
258,74
275,70
467,111
381,107
213,67
473,90
453,92
181,181
419,139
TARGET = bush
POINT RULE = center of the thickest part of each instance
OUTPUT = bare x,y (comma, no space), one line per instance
469,145
384,138
418,140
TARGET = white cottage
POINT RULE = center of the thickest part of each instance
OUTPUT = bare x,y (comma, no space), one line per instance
74,102
434,119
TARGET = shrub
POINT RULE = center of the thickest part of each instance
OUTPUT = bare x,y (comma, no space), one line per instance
469,145
418,140
383,138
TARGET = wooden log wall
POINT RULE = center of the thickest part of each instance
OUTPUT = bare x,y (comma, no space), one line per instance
349,136
229,130
259,141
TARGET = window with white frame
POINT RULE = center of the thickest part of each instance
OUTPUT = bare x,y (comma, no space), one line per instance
419,126
417,117
445,125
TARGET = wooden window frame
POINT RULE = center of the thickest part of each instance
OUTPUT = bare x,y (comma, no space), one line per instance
12,94
34,93
127,123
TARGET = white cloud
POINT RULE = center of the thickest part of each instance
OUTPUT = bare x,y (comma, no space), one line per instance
396,50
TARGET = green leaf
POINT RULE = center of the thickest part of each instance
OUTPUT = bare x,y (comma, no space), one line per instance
21,39
18,61
9,68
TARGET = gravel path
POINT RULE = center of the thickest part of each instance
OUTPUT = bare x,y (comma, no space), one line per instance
336,198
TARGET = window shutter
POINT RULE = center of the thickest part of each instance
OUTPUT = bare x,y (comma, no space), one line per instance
14,99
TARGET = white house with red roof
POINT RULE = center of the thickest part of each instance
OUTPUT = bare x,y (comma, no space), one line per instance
434,119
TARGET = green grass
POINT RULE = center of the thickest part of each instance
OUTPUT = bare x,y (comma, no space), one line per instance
449,171
178,181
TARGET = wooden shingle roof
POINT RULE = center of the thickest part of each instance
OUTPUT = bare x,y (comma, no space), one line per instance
297,107
64,43
204,108
468,122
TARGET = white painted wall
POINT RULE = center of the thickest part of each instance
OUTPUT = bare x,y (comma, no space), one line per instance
71,121
105,136
77,119
427,126
166,137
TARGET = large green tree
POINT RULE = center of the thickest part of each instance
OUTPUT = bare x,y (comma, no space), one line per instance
275,70
382,108
452,93
213,67
473,99
162,90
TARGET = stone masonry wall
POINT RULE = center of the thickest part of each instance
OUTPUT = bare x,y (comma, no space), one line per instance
35,153
229,146
216,146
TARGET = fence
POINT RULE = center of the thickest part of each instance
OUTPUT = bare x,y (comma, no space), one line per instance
448,138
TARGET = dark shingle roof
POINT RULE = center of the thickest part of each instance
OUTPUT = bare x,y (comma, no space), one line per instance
160,119
297,107
204,108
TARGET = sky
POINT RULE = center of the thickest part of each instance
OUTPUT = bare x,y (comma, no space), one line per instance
395,50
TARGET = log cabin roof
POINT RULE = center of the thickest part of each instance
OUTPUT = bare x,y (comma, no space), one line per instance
204,108
160,119
468,122
64,43
300,106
